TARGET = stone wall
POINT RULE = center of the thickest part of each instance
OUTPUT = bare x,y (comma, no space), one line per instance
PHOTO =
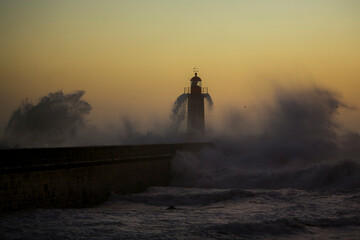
81,176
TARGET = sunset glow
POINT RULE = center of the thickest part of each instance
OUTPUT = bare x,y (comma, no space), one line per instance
134,57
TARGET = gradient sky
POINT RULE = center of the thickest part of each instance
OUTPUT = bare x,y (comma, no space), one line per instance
135,57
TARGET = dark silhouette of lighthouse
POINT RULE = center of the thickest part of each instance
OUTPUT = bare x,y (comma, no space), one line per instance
195,111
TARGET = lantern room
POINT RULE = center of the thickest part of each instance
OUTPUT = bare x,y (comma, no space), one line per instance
195,85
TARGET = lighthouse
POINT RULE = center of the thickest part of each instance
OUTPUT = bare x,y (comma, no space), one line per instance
195,112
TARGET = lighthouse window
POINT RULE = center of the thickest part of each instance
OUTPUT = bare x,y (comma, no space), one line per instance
195,84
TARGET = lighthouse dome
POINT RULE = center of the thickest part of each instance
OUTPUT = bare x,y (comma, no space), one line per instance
195,78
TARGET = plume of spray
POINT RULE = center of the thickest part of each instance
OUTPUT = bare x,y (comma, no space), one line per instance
209,100
297,143
55,119
178,112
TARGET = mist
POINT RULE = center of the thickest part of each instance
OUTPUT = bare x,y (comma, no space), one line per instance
292,140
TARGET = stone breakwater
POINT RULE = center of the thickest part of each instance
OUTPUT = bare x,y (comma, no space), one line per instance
82,176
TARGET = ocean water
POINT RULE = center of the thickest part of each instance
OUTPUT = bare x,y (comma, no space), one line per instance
200,213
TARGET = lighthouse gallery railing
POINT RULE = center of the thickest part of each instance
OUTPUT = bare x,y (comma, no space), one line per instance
204,90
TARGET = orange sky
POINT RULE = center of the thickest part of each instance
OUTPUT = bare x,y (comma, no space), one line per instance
134,57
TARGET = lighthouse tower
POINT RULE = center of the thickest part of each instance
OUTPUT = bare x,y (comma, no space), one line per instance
196,113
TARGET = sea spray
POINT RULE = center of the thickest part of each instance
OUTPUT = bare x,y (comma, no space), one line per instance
60,120
56,118
178,112
297,144
209,100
